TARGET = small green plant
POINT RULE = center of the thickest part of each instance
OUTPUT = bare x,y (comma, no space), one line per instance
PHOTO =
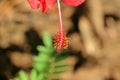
46,63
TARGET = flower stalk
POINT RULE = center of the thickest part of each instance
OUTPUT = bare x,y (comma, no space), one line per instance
61,26
60,16
60,40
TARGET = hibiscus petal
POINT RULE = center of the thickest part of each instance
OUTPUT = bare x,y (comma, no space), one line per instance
35,4
50,3
73,2
44,6
47,4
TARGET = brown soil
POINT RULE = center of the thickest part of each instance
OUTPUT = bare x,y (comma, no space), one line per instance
93,29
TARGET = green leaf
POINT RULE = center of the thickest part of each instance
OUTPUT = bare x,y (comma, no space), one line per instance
61,66
16,78
48,50
36,58
33,74
61,58
42,67
47,40
23,75
42,77
55,79
42,58
58,72
42,49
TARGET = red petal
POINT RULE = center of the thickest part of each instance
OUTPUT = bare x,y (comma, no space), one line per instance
73,2
44,5
47,4
50,3
35,4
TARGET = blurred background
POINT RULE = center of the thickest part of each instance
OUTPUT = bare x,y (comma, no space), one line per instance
93,29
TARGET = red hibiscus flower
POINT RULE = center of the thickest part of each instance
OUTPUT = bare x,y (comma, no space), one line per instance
60,40
45,4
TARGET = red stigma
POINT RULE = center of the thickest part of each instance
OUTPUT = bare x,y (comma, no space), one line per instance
58,44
